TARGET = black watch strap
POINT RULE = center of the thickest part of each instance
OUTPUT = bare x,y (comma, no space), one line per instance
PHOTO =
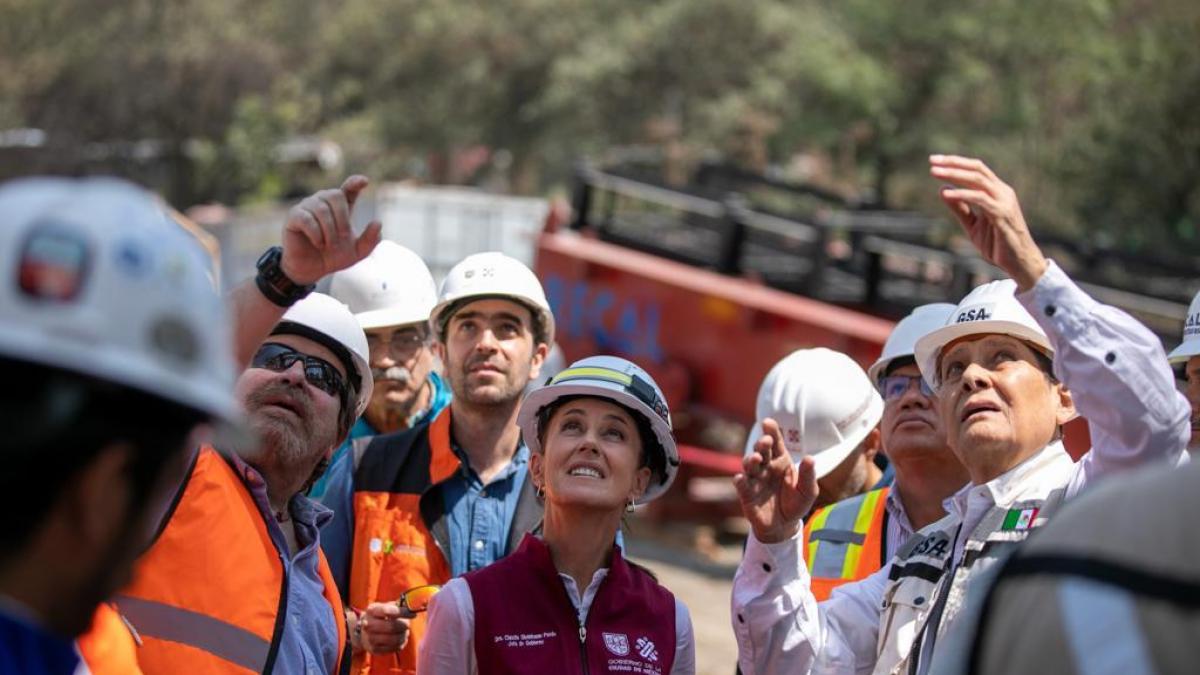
274,284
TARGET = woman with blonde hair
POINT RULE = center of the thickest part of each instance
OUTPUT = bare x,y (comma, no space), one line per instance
567,601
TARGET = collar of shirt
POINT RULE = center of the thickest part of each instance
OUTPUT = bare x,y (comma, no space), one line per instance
520,458
584,604
307,514
1047,468
895,510
27,647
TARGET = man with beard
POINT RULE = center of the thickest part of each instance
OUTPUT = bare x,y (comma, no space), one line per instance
391,293
235,580
115,346
450,495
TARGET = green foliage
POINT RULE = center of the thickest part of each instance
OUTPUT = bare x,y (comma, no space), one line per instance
1086,106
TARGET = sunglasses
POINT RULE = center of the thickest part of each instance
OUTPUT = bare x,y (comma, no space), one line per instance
894,386
417,599
319,372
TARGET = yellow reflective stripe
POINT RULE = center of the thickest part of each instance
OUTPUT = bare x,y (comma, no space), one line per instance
590,371
861,524
818,522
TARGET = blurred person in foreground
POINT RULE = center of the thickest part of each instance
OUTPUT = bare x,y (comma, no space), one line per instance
566,600
116,346
1016,360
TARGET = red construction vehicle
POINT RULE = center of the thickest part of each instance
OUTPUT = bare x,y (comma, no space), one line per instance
707,288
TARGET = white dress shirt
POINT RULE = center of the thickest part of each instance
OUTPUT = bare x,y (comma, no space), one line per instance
1118,375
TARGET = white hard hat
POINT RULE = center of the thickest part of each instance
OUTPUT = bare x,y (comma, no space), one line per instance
322,319
101,282
620,381
989,309
824,403
1191,335
390,287
492,275
903,340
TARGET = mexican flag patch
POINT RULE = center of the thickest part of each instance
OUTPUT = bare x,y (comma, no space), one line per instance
1019,519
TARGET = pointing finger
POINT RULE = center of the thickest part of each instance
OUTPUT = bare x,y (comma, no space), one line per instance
352,187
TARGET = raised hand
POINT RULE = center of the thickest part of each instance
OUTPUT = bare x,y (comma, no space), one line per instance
988,210
775,493
318,239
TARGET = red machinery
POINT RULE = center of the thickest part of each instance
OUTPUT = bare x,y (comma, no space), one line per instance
706,336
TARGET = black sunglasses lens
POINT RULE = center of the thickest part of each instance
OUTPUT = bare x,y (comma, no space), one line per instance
319,374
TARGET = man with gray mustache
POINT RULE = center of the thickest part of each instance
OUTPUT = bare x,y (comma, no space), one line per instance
391,293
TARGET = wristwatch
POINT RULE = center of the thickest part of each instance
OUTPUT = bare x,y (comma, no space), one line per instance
274,284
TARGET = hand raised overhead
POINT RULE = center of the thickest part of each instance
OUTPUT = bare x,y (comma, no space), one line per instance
318,238
775,493
988,210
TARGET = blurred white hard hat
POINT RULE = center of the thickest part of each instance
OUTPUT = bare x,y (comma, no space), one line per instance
1191,335
492,275
990,309
102,282
824,403
390,287
902,341
617,380
322,319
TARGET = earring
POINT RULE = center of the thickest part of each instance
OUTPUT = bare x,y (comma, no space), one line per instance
629,506
541,492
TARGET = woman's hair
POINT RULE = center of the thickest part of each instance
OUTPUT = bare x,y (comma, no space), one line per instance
655,461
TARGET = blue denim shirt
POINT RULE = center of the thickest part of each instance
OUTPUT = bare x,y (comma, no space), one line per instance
480,516
309,642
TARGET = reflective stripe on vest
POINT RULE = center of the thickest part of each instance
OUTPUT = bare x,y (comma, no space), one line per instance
392,551
206,597
176,624
843,541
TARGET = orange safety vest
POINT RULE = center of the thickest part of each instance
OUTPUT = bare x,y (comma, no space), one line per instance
844,542
392,550
207,596
109,647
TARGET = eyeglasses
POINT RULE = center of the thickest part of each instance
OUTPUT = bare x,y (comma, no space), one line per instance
319,372
417,599
403,344
894,386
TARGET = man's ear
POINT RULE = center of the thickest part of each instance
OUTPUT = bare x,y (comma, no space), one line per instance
1066,405
539,359
872,444
439,350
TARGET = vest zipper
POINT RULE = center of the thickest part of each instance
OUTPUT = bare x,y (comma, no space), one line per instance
280,620
583,647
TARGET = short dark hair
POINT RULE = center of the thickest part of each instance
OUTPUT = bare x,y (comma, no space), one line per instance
539,328
56,422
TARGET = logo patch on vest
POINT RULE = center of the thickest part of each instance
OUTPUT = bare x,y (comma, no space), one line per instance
1019,519
647,650
617,643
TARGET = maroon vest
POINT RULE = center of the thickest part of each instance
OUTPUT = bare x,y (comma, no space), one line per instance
525,622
